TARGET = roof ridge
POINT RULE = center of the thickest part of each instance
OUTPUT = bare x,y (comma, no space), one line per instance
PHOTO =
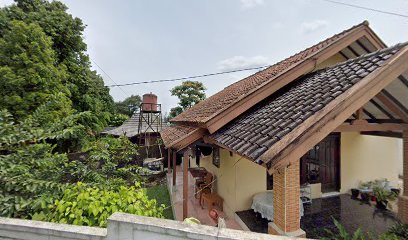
214,105
364,23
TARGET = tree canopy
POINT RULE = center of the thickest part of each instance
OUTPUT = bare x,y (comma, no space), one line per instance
45,53
129,105
189,93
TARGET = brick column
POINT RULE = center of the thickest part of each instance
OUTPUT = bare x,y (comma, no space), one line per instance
286,202
403,200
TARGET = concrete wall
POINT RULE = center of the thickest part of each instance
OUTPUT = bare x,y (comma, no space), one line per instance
121,226
29,230
365,158
238,179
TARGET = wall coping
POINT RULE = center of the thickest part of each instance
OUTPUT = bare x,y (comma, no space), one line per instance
54,229
180,229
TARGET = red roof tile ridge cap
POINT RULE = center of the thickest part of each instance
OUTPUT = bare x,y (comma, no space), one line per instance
206,119
346,32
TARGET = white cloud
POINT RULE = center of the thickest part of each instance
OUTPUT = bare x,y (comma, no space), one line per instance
246,4
308,27
240,62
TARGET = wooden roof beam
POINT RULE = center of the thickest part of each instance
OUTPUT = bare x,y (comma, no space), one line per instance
294,145
379,127
392,106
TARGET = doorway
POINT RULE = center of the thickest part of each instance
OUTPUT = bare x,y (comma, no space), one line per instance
321,164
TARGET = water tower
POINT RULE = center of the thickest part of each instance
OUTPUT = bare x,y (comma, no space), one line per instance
150,120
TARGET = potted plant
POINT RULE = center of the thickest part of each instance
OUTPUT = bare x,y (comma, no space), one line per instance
354,193
365,196
383,196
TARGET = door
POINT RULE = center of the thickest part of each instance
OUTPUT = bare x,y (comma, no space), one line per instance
322,164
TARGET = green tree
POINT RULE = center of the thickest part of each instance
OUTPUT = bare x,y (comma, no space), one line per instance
129,105
189,93
86,87
28,74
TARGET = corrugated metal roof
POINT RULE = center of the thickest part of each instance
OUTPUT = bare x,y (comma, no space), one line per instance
130,127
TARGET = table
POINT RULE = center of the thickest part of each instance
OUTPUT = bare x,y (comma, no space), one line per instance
197,173
211,199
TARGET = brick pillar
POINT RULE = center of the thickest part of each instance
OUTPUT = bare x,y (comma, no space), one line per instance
403,200
286,202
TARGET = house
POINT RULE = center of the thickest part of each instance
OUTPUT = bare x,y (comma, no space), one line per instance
332,115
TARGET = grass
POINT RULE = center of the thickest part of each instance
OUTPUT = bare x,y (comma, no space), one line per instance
161,194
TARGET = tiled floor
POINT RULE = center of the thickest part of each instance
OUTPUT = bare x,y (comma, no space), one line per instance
194,209
351,213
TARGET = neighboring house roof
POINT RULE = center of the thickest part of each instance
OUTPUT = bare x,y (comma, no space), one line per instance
264,132
206,112
130,128
180,136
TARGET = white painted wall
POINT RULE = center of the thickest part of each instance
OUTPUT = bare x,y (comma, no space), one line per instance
366,158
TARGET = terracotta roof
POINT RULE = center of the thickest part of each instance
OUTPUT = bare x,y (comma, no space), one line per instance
130,127
207,109
173,134
258,129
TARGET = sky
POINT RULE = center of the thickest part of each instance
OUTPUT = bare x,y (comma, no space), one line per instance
135,40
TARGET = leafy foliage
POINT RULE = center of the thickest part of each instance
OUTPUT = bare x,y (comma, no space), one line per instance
400,230
343,234
118,119
44,48
91,206
27,70
189,93
383,195
129,105
33,175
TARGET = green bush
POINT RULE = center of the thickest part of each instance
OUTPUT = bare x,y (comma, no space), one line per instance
118,119
91,206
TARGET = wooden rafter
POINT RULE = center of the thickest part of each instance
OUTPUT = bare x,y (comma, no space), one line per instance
392,106
371,127
313,130
218,120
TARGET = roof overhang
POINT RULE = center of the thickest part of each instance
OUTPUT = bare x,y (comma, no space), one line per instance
294,145
184,139
224,116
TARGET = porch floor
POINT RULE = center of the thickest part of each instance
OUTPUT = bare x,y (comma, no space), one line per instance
351,213
193,209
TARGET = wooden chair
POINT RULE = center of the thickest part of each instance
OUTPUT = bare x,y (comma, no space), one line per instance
205,185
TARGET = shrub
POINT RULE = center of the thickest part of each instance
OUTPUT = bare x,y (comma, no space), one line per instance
91,206
118,119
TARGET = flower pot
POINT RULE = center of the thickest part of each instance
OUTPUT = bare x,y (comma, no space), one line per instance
354,193
396,191
373,198
365,197
381,204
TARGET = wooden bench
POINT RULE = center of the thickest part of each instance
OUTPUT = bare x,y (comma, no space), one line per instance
211,199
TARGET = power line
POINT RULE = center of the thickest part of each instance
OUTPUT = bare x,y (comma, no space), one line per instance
109,77
191,77
367,8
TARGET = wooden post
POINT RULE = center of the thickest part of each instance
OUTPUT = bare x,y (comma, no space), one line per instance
185,183
403,200
359,114
174,167
168,160
405,161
